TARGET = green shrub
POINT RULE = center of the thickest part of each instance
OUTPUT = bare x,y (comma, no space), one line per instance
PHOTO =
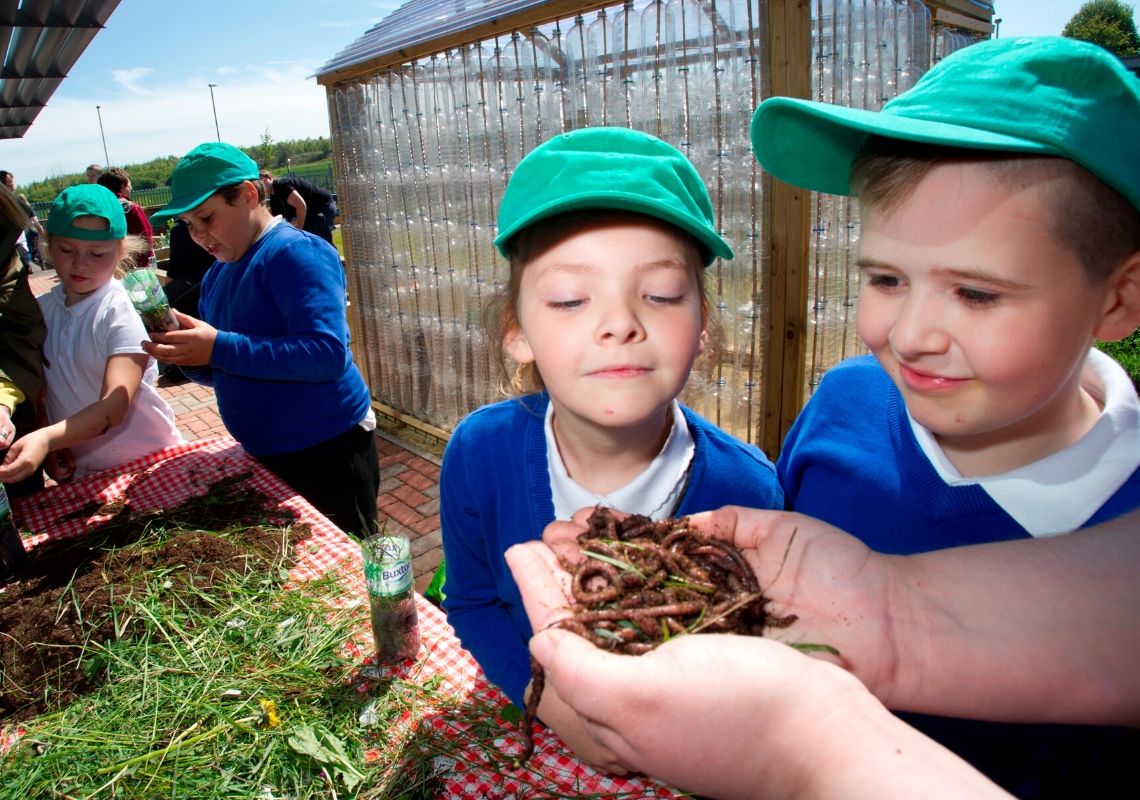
1127,353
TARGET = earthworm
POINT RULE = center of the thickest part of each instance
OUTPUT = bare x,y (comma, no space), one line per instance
644,582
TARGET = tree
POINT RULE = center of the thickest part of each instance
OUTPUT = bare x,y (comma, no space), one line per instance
1108,23
266,150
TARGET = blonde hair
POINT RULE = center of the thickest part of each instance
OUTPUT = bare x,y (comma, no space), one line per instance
130,248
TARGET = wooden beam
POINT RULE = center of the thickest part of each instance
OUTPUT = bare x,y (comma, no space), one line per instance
944,17
961,6
522,21
789,48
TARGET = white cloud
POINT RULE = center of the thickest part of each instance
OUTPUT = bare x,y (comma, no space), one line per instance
129,79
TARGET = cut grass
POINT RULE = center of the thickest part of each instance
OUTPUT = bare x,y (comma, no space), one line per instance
242,690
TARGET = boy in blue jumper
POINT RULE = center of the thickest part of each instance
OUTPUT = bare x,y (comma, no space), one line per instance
1000,202
1000,238
608,231
273,339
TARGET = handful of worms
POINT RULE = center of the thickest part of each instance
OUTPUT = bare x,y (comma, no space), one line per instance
644,582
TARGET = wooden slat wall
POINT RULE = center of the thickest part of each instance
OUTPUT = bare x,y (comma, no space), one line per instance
789,35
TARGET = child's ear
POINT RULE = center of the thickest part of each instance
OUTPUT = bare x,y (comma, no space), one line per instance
703,343
1122,305
517,347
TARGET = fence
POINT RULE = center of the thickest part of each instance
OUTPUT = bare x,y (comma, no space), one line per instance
320,173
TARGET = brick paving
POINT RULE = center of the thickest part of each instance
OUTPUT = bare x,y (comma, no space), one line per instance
409,477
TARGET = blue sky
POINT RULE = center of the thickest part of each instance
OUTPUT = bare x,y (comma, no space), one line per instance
149,72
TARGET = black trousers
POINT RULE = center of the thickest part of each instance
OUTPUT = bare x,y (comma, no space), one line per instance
340,477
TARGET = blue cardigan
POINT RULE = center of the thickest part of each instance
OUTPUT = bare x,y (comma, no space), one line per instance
495,492
281,365
851,459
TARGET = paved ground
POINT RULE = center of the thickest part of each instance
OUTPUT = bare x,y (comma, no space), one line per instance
409,488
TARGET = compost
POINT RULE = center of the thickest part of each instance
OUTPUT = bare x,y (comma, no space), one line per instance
66,595
643,582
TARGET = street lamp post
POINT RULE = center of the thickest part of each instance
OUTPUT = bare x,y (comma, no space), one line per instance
997,27
106,158
216,129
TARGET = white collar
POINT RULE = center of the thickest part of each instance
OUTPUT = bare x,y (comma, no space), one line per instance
1058,493
654,492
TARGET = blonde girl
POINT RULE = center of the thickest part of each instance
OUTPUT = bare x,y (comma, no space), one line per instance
101,404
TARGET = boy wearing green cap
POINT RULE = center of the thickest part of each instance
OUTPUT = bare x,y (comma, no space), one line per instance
273,339
608,231
102,407
1000,202
1000,238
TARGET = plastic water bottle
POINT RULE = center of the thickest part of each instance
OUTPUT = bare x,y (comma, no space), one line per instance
391,596
12,553
149,299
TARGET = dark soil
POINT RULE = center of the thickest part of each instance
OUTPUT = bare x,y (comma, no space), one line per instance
68,593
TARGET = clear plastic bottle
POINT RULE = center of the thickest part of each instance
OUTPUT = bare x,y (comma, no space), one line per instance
12,553
391,596
149,299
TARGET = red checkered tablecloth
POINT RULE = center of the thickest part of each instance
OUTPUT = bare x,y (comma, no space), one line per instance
170,476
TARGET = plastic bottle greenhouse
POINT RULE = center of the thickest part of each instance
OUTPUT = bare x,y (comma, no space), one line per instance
433,107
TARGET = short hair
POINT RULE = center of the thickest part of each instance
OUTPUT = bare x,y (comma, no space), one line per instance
1090,218
4,175
231,192
502,317
266,175
96,167
115,179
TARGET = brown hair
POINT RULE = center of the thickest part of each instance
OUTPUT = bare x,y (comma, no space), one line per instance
230,193
1091,219
115,179
501,316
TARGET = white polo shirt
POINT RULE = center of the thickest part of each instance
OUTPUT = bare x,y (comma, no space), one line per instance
80,339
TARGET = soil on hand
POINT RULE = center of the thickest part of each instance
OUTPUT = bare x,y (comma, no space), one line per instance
66,597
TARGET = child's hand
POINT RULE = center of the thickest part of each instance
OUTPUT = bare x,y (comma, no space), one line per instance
60,465
190,346
24,457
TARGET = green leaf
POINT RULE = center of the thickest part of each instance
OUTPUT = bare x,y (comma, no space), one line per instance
806,647
327,749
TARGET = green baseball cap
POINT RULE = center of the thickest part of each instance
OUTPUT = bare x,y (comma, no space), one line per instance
201,172
87,200
1043,95
611,168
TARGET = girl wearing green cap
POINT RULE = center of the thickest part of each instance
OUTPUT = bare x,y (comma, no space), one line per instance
608,231
102,407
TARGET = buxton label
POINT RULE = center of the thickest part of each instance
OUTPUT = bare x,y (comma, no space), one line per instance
387,565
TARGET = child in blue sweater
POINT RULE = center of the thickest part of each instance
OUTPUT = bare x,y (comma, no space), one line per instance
607,231
273,339
1000,202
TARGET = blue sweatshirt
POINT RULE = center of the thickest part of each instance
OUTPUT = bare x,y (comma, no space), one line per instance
851,459
281,366
495,492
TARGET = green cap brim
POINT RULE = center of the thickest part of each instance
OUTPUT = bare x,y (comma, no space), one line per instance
813,145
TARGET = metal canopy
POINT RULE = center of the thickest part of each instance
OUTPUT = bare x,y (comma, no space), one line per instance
40,41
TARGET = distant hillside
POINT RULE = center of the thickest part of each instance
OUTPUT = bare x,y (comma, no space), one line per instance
310,158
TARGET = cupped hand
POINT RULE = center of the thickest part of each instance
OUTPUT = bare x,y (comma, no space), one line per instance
723,715
837,588
191,345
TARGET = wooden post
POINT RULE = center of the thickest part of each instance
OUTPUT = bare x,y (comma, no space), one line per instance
789,47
